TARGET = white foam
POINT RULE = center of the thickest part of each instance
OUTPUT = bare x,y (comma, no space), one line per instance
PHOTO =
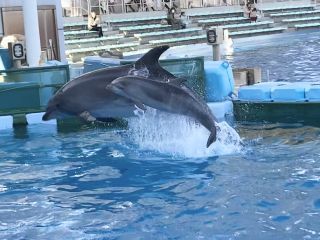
178,135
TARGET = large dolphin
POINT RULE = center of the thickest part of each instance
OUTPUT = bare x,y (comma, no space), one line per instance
88,98
166,96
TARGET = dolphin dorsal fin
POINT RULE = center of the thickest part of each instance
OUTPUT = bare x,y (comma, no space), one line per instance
151,57
151,61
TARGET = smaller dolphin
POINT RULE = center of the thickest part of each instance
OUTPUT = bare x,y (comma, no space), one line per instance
87,97
165,96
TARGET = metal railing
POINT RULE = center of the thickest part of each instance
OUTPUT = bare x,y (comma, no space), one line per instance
83,7
125,6
75,8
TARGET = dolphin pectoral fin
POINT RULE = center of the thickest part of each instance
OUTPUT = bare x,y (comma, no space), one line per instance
213,136
87,116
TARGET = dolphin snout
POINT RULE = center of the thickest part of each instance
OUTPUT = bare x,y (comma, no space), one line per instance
46,116
51,113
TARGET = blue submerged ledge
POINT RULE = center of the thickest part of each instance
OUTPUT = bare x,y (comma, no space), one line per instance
279,102
280,92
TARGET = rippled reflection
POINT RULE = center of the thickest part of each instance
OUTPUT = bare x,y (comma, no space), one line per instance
284,57
97,185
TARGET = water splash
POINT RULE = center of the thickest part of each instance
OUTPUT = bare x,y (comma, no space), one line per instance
180,136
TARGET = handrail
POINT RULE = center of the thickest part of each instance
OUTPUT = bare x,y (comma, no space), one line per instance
106,7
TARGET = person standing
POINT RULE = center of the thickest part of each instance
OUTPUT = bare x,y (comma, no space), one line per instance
94,24
253,15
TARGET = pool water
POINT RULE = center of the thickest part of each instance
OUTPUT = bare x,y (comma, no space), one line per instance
288,57
293,56
157,180
101,184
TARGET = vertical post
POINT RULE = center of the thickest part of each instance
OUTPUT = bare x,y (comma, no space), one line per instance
100,8
31,31
108,11
80,8
216,52
123,7
88,7
215,38
60,34
72,8
1,23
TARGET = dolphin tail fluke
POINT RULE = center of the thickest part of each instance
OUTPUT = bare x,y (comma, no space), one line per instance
213,136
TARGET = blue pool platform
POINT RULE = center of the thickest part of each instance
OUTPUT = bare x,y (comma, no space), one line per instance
279,102
281,92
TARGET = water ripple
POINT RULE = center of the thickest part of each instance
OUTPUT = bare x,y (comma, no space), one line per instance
289,60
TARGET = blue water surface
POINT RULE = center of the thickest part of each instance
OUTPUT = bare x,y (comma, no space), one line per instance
95,184
288,57
98,183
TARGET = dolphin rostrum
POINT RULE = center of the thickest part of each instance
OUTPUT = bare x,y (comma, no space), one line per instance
165,96
87,97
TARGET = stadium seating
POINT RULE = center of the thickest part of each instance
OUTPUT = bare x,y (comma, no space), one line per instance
257,32
77,54
133,35
305,20
184,40
222,21
89,42
131,30
278,17
146,37
307,25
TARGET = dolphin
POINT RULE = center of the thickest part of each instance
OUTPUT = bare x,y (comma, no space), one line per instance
166,96
88,98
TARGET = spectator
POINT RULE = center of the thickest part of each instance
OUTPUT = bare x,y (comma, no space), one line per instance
175,20
94,24
253,15
247,10
170,15
184,20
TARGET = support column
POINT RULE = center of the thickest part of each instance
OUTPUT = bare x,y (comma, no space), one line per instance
1,24
31,31
216,52
60,35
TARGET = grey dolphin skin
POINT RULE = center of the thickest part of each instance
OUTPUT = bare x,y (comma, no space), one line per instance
166,96
87,97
